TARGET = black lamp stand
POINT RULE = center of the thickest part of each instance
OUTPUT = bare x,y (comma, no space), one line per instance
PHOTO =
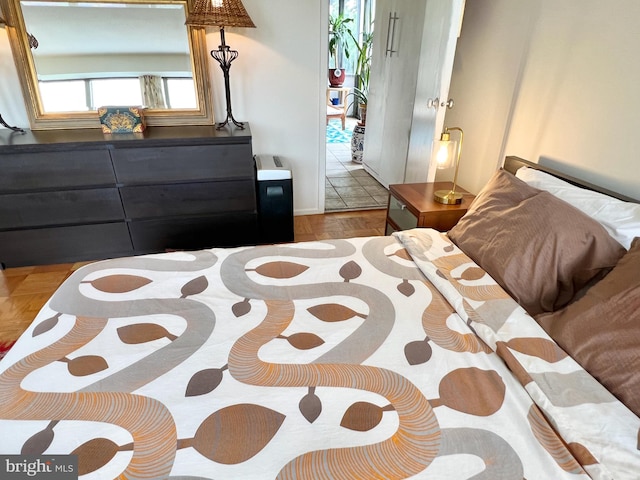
224,55
5,124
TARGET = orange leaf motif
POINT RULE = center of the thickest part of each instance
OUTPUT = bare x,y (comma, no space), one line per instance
418,352
241,308
473,391
305,341
472,273
281,269
582,454
94,454
350,271
142,333
203,382
333,312
236,433
119,283
46,325
39,442
310,407
361,417
406,288
195,286
542,348
86,365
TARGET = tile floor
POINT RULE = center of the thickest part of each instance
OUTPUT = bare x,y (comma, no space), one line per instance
348,185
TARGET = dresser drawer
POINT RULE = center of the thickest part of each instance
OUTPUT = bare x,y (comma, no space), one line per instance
180,164
189,199
64,244
193,233
400,214
65,207
51,170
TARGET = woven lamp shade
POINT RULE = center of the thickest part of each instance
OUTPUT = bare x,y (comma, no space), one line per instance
219,13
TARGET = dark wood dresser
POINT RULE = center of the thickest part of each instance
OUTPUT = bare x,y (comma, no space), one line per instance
74,195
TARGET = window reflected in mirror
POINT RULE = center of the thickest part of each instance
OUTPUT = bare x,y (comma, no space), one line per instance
91,94
110,53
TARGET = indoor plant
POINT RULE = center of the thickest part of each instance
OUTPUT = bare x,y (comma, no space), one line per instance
360,98
363,68
360,93
339,32
357,137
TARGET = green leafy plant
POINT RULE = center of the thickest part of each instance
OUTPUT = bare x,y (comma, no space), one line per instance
359,97
360,92
363,65
339,33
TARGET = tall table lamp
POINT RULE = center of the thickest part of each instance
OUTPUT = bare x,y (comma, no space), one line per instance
2,122
444,152
221,13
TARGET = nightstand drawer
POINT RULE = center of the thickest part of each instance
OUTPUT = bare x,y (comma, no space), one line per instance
400,214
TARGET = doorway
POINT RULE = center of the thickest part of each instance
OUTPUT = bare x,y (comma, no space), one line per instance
347,184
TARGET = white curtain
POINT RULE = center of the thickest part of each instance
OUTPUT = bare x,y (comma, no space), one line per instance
152,92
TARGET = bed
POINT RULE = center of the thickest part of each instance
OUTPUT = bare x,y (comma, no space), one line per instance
364,358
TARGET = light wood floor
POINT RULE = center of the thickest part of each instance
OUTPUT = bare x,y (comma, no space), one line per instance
24,290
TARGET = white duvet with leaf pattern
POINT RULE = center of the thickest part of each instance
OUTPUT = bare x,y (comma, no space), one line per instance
368,358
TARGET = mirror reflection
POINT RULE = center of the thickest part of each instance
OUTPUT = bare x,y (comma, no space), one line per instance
86,55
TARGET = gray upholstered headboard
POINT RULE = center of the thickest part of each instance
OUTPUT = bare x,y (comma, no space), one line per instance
512,164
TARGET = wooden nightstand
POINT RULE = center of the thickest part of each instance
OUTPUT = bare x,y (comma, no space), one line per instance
412,205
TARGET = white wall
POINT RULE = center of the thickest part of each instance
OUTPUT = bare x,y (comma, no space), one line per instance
538,79
552,82
277,84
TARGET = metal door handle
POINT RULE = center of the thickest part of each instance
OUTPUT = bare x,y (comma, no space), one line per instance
435,103
391,34
449,103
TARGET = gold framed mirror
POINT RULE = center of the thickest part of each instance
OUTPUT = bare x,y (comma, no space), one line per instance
72,56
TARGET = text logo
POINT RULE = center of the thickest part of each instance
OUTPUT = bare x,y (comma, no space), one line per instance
39,467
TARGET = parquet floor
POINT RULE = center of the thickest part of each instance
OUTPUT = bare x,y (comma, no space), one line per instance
24,290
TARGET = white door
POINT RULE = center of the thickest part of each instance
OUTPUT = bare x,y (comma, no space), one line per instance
377,104
443,21
413,60
394,73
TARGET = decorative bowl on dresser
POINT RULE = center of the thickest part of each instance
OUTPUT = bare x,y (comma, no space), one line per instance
74,195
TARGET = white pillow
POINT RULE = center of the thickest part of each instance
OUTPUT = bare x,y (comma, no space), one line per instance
620,219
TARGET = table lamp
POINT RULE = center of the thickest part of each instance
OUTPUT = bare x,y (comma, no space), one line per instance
444,151
221,13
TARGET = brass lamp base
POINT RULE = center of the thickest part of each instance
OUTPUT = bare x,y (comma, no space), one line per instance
448,197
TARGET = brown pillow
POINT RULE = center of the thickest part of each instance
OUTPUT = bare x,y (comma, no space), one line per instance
540,249
601,331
